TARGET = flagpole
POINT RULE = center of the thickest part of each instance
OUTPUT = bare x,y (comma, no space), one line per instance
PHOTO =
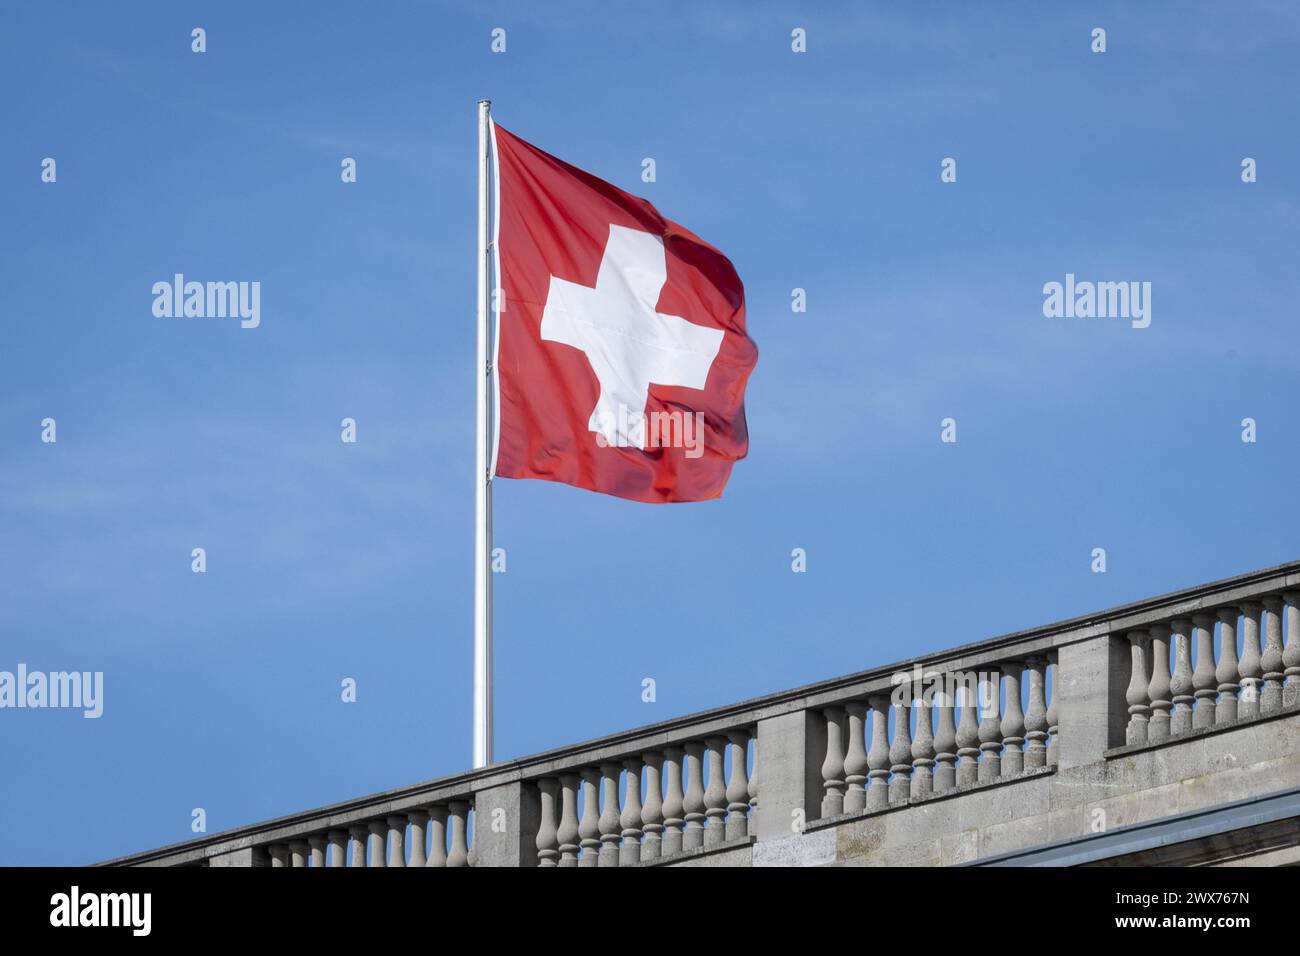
483,480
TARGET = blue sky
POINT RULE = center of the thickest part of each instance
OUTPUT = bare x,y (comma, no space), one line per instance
816,170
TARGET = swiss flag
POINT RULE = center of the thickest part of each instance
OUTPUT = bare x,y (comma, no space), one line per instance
622,354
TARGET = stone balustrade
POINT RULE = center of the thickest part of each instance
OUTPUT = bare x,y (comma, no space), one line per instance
935,731
954,756
433,835
1214,666
690,795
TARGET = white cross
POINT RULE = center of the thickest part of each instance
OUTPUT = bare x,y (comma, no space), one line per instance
628,343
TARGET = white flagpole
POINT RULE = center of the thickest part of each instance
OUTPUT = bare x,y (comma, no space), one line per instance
482,459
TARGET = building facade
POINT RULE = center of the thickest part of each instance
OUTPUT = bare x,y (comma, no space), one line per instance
1163,732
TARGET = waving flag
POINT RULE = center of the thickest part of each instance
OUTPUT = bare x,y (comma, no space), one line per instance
622,354
617,360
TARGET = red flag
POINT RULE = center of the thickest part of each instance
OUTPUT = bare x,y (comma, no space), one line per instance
622,351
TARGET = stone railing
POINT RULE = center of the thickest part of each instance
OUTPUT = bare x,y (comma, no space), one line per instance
1167,696
989,725
424,829
934,731
583,823
383,842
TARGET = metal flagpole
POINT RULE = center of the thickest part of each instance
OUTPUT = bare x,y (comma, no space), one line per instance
482,459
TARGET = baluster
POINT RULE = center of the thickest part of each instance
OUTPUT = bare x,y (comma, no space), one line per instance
378,833
611,820
1053,730
833,765
338,855
1013,722
968,736
945,741
1270,699
738,785
922,747
693,801
715,796
416,819
630,853
652,813
878,756
317,844
990,692
1205,676
674,803
437,835
458,811
1159,691
397,840
900,751
360,834
548,828
753,792
1226,673
855,759
567,834
1291,656
1180,685
1252,674
589,825
1136,695
1036,715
